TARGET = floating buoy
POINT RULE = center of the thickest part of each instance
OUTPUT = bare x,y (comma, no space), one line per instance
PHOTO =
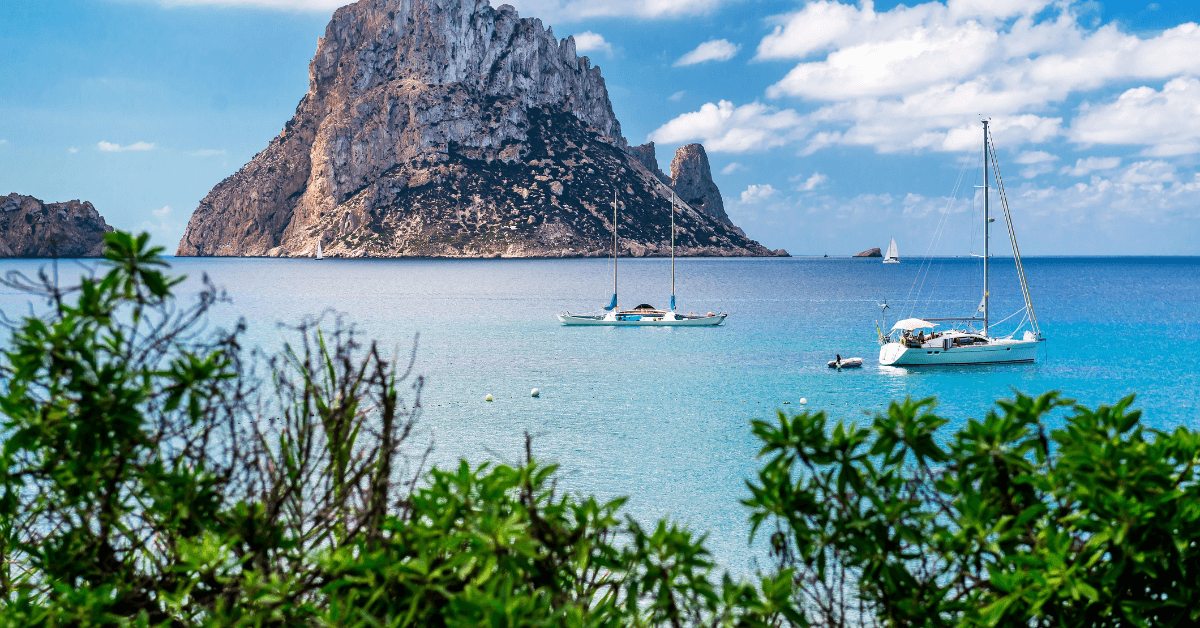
786,403
803,401
487,398
535,393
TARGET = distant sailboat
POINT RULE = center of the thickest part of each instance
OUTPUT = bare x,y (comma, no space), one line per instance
319,254
892,256
644,314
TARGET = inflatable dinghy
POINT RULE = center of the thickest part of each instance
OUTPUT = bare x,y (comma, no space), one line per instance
847,363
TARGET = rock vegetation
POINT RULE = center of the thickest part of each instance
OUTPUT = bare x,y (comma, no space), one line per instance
448,128
32,228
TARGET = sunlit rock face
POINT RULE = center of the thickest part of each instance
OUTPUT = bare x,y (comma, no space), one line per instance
448,128
32,228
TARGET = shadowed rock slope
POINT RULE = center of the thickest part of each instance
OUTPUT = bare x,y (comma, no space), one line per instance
31,228
448,128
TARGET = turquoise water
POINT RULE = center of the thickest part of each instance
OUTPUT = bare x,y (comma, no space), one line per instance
662,414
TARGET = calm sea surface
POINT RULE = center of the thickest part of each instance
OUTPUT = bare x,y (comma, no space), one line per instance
663,414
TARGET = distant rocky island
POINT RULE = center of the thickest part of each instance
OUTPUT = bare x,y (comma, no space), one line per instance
448,128
32,228
875,252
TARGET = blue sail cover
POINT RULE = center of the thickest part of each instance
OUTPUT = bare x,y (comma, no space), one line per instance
613,305
672,303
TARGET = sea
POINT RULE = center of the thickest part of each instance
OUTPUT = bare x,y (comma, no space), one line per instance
662,415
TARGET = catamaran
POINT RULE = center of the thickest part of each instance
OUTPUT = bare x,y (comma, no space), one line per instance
892,256
644,314
969,341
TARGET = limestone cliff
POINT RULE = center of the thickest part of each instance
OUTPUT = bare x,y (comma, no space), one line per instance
644,155
692,180
447,128
32,228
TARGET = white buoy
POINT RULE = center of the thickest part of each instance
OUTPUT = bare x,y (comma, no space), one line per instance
487,398
803,401
535,393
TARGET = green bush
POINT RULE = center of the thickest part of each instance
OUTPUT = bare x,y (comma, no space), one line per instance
151,476
156,474
1096,524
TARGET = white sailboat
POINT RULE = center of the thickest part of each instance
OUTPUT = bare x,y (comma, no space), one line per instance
892,257
319,254
643,315
970,340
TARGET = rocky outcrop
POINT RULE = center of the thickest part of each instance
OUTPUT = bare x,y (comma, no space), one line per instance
447,128
31,228
644,155
691,178
875,252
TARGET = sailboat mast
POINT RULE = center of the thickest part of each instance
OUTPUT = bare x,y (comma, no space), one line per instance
672,251
986,231
614,248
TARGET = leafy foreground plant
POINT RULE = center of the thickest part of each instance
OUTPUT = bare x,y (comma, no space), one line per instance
1095,525
150,476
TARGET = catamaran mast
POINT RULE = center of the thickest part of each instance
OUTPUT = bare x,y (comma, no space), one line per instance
613,305
672,251
986,231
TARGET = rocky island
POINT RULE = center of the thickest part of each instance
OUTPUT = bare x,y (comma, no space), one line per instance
32,228
875,252
448,128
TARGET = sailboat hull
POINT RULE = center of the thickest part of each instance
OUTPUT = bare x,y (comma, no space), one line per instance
699,321
995,352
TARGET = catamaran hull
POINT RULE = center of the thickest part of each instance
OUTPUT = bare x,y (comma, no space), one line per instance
707,321
1000,352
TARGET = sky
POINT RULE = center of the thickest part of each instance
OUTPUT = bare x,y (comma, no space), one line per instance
830,126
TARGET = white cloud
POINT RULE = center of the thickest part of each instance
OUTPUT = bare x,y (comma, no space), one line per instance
1084,167
712,50
755,194
811,183
166,209
1148,172
677,95
109,147
732,168
1035,157
587,41
72,150
1036,170
722,127
1037,163
207,152
3,142
1166,122
556,11
916,60
908,78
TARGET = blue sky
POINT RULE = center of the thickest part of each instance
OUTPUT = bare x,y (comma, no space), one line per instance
830,126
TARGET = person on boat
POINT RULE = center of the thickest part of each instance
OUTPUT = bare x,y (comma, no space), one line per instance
839,360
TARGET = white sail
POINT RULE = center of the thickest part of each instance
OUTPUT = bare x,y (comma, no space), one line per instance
892,256
319,254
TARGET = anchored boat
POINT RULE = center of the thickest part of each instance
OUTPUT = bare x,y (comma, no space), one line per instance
643,315
969,340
